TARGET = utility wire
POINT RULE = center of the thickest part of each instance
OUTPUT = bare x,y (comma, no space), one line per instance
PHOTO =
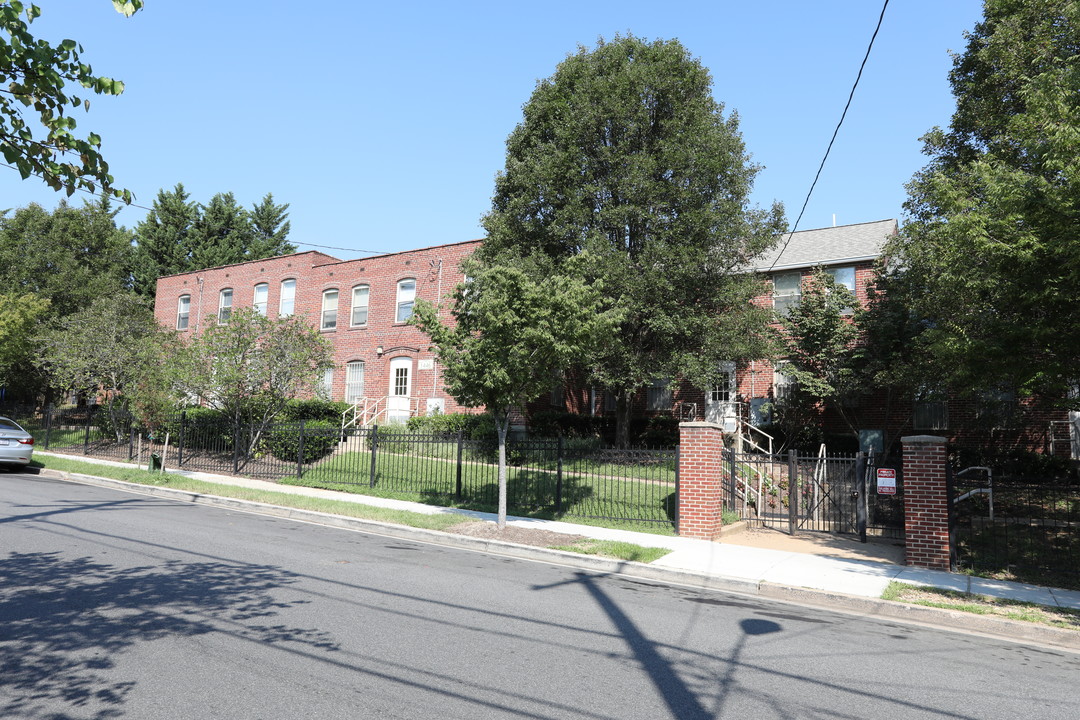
143,207
835,133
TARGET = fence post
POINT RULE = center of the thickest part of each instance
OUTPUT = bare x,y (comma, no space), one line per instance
732,482
131,439
558,474
300,453
48,425
926,502
860,495
236,448
675,513
86,436
180,444
374,449
793,492
460,443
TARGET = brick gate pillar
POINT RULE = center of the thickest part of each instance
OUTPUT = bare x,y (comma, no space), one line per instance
926,502
700,491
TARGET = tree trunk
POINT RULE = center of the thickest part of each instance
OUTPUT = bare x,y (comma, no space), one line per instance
502,425
622,419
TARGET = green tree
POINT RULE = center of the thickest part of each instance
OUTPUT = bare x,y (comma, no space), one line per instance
989,254
114,347
625,160
270,222
36,75
820,337
509,335
164,239
19,317
251,367
179,235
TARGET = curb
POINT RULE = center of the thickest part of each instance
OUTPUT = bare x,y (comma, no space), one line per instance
950,620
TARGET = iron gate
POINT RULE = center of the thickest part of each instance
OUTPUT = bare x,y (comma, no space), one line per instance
823,493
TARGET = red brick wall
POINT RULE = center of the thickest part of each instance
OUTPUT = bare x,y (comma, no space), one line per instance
435,269
700,492
926,502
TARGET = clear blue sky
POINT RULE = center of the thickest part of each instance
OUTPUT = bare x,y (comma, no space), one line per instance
383,124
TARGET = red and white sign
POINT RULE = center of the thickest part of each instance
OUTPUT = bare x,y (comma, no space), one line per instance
886,481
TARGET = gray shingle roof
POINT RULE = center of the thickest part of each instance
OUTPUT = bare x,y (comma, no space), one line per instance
828,246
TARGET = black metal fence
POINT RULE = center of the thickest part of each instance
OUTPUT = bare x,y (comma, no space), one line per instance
1017,530
549,477
829,493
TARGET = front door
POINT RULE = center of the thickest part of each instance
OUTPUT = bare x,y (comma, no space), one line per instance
720,405
399,398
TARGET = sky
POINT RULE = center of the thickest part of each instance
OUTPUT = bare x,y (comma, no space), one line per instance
383,125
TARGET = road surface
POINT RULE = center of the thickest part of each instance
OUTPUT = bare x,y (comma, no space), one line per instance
116,605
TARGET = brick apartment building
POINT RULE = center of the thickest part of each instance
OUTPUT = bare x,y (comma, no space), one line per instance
361,306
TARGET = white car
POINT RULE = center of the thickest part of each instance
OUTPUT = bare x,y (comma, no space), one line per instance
16,445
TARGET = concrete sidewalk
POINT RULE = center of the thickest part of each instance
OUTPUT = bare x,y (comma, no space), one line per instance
735,565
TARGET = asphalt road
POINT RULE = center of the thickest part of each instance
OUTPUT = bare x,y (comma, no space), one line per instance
115,605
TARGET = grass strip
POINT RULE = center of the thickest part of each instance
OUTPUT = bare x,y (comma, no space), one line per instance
441,521
983,605
615,549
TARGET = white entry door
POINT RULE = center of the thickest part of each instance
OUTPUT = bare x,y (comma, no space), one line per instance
720,405
399,398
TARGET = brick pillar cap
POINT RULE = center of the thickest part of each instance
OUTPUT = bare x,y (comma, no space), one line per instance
698,424
923,440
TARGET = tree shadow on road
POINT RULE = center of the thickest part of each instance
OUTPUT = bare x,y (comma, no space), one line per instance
64,621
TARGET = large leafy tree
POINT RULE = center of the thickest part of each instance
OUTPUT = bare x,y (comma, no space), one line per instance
114,347
510,334
251,367
56,263
19,317
990,255
180,235
37,76
625,160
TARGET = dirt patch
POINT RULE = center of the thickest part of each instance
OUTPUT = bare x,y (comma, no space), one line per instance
510,533
826,544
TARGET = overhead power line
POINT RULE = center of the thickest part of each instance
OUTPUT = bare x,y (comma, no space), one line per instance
843,115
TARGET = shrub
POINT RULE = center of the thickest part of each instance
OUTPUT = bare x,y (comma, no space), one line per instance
282,440
204,428
553,423
314,409
440,423
660,431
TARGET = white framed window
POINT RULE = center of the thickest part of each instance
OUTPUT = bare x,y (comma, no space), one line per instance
406,295
360,295
287,300
659,396
844,276
326,384
783,382
183,312
224,307
354,381
787,291
262,294
329,310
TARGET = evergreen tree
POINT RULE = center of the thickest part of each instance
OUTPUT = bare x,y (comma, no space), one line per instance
271,225
164,239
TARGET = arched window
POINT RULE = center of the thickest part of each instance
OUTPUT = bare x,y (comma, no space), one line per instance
359,306
287,303
354,381
329,309
224,306
406,294
262,294
183,312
